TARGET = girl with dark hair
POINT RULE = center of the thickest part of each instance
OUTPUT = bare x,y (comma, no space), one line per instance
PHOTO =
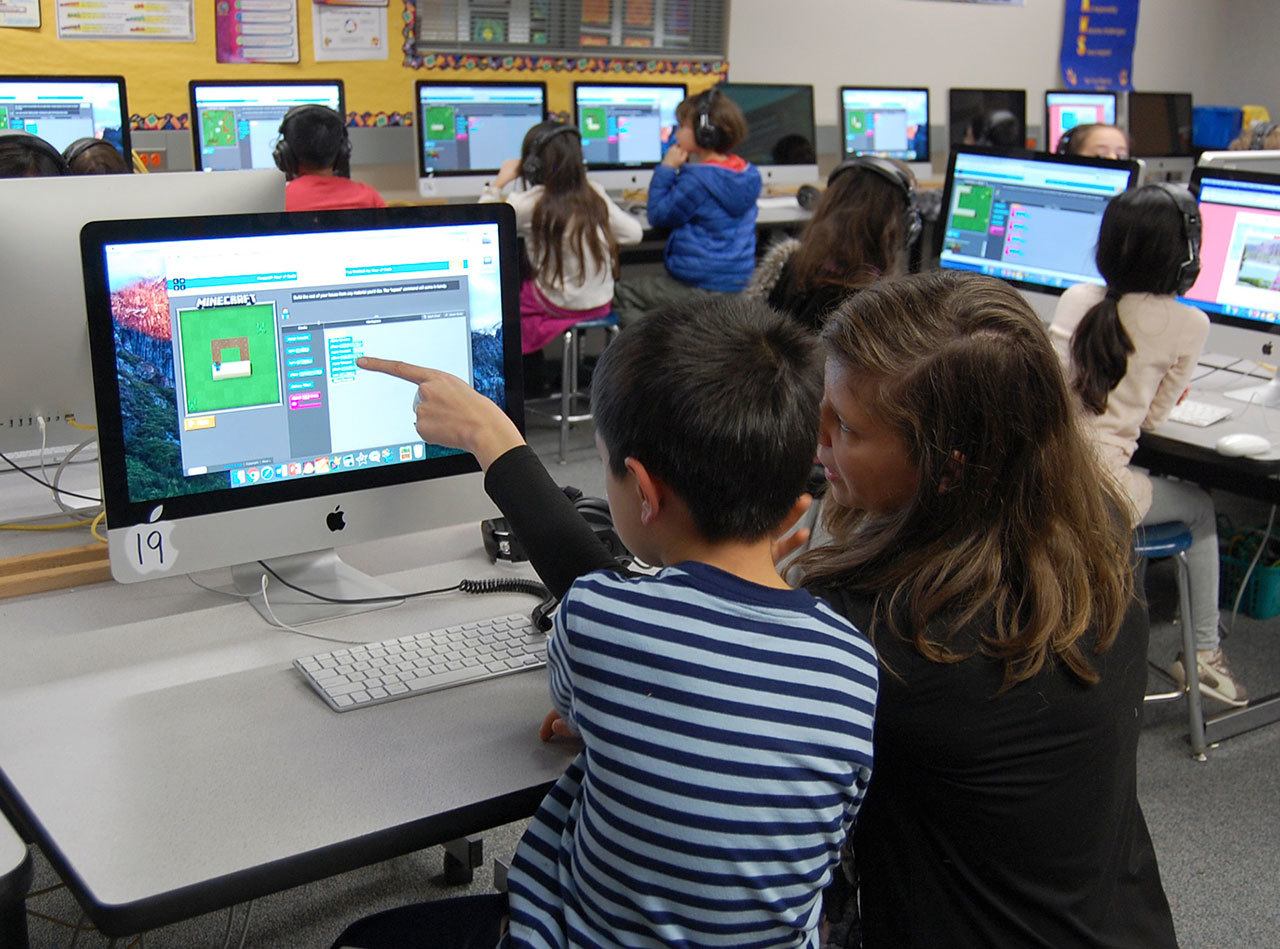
1098,140
571,230
1130,349
858,234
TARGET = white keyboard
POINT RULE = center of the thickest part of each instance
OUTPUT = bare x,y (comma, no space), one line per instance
1198,414
437,659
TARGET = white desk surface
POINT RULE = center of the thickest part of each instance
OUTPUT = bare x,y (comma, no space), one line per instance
1208,385
158,740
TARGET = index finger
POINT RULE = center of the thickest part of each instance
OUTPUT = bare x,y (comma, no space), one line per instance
394,367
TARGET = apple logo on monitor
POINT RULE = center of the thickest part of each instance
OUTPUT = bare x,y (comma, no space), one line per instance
336,520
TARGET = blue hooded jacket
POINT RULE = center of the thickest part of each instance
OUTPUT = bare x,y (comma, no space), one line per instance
711,211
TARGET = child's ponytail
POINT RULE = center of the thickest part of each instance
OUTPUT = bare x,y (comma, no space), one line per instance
1100,351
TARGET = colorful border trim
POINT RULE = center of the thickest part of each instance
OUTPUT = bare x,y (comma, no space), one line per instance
182,123
467,62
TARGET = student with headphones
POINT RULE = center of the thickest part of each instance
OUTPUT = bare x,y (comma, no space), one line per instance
1095,140
1258,136
571,230
862,229
1129,349
95,156
23,155
314,152
706,196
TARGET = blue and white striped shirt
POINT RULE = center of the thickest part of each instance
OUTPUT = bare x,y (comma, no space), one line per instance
727,732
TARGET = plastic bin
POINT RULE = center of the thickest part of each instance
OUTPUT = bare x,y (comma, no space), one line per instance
1215,126
1261,598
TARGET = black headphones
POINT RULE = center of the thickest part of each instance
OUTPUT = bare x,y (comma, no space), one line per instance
15,140
1187,207
283,154
1261,130
1064,141
532,167
501,543
912,223
705,132
82,145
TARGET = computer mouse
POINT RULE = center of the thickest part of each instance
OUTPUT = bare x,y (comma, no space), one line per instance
1242,445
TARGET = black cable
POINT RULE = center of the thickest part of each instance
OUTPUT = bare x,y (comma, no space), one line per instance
365,599
27,474
495,585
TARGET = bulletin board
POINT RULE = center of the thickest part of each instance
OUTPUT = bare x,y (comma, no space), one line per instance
377,92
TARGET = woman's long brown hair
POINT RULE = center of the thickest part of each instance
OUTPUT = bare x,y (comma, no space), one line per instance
569,214
1015,524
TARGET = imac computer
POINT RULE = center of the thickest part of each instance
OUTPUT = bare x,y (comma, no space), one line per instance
781,132
236,125
1263,160
889,123
1239,282
625,129
465,131
1065,109
44,364
234,423
991,117
1031,219
1160,134
61,109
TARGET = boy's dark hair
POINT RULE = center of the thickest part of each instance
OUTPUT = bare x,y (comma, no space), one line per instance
316,138
724,115
719,400
97,157
24,156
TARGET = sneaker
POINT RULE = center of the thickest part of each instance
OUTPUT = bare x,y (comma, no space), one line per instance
1216,680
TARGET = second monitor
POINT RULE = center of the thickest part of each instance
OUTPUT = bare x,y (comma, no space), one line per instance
890,123
993,117
236,125
780,130
1066,109
625,128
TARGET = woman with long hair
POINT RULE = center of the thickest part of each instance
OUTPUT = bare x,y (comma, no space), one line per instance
1130,349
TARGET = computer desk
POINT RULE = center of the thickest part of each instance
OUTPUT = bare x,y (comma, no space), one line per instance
15,880
169,761
1187,452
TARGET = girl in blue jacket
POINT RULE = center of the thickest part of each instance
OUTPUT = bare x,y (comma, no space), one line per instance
706,196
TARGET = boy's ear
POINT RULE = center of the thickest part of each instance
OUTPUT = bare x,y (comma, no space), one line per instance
650,492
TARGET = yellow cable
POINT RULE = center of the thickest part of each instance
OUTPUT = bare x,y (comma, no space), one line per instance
93,527
43,527
71,420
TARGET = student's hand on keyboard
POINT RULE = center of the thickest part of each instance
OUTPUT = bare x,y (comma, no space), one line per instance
450,412
554,726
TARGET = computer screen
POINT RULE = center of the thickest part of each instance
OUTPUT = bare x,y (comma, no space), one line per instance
224,355
465,128
891,123
1031,219
1160,124
237,124
1065,109
780,124
966,105
61,109
44,363
625,126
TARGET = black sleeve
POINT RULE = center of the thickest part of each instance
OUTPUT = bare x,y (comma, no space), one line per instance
560,544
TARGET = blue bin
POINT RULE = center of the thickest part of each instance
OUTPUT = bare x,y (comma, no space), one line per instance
1215,126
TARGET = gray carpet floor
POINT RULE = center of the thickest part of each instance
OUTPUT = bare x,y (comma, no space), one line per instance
1216,824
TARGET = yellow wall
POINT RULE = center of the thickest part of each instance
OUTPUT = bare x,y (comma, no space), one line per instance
156,73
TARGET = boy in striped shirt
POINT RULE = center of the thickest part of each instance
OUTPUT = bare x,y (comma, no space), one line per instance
726,718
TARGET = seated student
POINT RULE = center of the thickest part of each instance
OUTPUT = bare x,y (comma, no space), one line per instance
94,156
861,231
1258,136
1130,349
23,155
314,152
726,718
706,195
1095,140
998,128
572,231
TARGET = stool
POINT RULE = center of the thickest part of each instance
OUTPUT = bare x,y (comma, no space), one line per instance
1159,542
561,408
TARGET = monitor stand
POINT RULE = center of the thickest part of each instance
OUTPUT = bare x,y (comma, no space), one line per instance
1266,395
322,572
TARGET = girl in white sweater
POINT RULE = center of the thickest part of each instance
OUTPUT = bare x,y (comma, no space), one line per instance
1130,349
571,230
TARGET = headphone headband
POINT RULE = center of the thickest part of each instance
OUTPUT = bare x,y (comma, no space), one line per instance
18,140
895,176
283,154
705,132
532,166
1260,132
1189,211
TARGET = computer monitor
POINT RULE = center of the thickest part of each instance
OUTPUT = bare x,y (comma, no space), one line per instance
1029,218
1262,160
44,363
465,131
965,107
1160,124
61,109
1239,282
236,125
781,135
234,424
1064,109
625,129
888,122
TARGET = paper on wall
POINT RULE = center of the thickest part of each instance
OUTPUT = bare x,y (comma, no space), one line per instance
257,31
21,14
172,20
348,32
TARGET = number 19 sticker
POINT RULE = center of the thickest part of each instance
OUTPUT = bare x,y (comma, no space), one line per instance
150,547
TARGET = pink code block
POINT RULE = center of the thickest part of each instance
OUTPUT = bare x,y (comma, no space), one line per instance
305,400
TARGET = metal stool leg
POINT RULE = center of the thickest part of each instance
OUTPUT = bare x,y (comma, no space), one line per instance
1195,711
566,391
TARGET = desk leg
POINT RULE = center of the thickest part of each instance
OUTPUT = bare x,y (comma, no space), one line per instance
1264,711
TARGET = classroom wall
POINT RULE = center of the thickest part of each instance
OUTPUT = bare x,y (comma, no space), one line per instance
1250,70
830,43
157,73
